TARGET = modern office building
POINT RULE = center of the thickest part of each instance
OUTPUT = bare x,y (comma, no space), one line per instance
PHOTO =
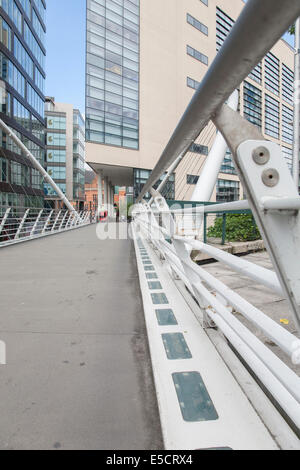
144,61
22,77
65,153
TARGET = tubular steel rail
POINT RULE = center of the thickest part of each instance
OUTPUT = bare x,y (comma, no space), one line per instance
276,376
17,224
272,197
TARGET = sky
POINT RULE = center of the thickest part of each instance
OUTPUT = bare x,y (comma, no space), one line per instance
65,45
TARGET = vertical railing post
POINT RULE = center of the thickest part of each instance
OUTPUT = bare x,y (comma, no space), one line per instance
62,222
69,220
7,212
205,228
55,222
224,228
47,222
36,222
22,224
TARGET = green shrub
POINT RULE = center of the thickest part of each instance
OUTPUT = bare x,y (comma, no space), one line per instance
239,227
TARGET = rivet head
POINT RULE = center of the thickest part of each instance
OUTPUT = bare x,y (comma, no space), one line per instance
261,155
270,177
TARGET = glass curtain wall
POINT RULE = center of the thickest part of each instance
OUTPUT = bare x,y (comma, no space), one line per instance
112,80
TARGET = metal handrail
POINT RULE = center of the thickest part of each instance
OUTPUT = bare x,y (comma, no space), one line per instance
21,224
277,377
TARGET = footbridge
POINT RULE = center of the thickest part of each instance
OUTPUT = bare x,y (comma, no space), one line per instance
112,337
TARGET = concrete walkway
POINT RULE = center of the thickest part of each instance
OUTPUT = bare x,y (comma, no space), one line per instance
78,373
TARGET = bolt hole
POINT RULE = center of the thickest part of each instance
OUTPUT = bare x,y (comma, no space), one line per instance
271,177
261,154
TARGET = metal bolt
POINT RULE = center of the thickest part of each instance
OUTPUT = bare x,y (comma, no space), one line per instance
270,177
261,155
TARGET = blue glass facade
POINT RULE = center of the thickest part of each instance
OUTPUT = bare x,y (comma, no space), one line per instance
22,70
112,72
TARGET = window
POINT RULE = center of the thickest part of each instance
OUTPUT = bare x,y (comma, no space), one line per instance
39,80
12,75
38,129
112,112
288,155
140,177
34,46
256,73
272,76
41,9
197,55
5,33
17,17
252,104
197,24
26,6
56,122
3,170
21,114
35,100
10,7
197,148
272,117
5,98
57,172
49,191
224,26
56,156
228,165
23,57
192,179
192,83
20,174
36,179
287,84
56,140
38,27
287,125
228,191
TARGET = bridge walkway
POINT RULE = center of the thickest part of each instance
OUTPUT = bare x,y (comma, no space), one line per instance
78,373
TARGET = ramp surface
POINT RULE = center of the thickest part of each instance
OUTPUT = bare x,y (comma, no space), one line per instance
78,373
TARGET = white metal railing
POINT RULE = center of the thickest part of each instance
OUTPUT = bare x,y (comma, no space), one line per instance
19,224
272,197
217,302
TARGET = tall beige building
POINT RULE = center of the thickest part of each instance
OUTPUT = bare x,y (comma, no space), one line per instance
144,61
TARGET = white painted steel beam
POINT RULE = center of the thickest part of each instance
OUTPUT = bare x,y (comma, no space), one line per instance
253,271
36,164
242,51
207,181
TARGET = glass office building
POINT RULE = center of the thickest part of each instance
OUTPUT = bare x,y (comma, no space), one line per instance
112,85
65,153
144,61
22,75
